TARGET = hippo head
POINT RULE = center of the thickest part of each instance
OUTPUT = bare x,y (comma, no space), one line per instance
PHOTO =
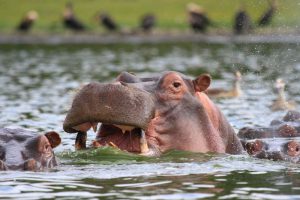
275,141
288,126
152,115
274,149
25,150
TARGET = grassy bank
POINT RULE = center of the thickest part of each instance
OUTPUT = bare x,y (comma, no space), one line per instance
170,13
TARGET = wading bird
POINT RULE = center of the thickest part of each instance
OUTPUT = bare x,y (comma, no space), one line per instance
267,16
242,21
107,22
69,19
28,21
147,23
197,18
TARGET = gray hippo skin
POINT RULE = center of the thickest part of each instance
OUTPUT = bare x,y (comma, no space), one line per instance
152,115
25,150
289,126
274,150
276,142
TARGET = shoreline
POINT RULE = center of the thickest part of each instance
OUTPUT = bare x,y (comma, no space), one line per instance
57,39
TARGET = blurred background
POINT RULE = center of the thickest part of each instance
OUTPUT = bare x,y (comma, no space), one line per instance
170,15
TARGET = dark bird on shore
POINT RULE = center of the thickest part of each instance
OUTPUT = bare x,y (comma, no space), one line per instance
69,19
267,16
242,22
147,22
197,18
107,22
27,21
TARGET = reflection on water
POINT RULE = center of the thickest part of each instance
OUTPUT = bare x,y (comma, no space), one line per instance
37,84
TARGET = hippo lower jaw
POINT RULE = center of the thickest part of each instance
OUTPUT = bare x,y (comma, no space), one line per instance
124,137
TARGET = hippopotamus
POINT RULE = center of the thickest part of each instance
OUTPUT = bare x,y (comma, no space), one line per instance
289,126
274,149
26,150
151,115
276,142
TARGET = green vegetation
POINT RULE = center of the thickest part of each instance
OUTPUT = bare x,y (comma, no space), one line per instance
171,14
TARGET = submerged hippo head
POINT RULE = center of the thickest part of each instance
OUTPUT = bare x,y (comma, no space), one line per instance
289,126
152,115
25,150
274,149
274,142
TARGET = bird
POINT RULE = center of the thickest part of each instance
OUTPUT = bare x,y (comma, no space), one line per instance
280,103
147,22
235,91
267,16
27,22
197,18
107,21
69,19
242,21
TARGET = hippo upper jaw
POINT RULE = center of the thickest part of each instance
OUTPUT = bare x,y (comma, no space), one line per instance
109,103
124,112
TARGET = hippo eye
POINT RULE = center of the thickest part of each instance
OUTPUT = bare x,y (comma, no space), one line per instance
297,149
176,84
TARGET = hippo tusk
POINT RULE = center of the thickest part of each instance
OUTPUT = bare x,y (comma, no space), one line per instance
113,145
143,143
80,142
94,125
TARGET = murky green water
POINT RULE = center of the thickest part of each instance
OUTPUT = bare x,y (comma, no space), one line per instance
36,84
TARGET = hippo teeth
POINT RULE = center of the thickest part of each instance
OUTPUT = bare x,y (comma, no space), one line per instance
143,143
94,125
113,145
125,128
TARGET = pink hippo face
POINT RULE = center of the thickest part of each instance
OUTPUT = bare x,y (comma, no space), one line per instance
152,115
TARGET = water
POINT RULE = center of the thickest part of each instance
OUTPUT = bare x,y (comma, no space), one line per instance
37,86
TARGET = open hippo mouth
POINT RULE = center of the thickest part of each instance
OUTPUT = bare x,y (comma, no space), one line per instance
125,113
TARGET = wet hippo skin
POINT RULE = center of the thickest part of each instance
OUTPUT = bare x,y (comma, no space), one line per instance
285,150
25,150
289,126
152,115
276,142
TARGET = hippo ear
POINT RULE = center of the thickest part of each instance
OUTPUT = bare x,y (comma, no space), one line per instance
53,138
202,82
